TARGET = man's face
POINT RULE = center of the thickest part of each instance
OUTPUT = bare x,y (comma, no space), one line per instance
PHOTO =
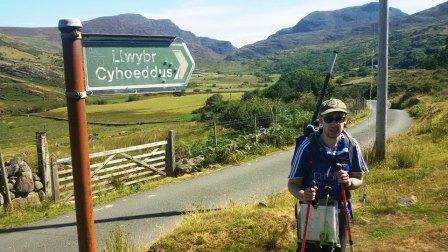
333,123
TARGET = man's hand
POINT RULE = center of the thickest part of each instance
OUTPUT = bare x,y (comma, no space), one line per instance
343,178
309,194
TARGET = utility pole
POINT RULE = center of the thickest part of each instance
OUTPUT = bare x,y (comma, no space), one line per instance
381,112
79,142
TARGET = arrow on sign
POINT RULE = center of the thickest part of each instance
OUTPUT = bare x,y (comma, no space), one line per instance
183,64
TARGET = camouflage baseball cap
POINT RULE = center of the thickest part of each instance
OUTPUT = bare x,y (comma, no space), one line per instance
332,105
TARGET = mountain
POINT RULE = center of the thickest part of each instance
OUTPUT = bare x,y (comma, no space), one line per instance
140,25
344,18
317,27
134,24
414,41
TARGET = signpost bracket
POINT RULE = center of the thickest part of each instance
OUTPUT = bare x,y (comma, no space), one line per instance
76,95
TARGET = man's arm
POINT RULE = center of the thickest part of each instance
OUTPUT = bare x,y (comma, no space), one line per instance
356,180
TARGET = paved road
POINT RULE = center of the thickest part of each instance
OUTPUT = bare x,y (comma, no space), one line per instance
148,215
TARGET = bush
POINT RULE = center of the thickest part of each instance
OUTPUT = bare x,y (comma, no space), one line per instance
133,97
243,113
416,111
290,85
405,157
100,101
280,136
181,93
213,106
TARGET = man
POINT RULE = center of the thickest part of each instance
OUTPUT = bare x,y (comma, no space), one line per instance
316,161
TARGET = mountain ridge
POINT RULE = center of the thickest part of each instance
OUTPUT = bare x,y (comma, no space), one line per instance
315,28
135,24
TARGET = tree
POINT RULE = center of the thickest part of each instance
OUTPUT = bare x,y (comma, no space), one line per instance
291,85
443,55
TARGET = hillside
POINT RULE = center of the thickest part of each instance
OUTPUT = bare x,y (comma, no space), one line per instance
49,38
413,42
316,28
344,18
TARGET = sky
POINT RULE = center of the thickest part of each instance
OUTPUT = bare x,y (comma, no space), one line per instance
240,22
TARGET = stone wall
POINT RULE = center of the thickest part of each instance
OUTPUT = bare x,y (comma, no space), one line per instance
24,186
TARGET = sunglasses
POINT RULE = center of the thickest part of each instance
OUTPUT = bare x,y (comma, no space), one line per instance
336,119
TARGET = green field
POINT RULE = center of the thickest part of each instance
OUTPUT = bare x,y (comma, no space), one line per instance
149,120
157,109
218,82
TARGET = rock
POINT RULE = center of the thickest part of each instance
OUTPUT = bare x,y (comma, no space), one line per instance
12,180
24,185
25,171
198,160
262,204
407,201
185,166
2,200
36,177
233,147
41,194
38,185
31,200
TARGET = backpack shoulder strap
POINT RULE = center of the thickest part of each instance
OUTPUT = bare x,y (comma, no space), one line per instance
351,146
314,150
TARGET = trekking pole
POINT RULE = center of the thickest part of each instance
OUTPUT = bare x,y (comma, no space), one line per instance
310,128
324,87
347,219
307,218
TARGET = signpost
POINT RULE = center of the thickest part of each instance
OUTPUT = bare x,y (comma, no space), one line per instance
98,64
125,63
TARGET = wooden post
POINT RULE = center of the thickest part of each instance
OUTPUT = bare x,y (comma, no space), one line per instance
294,119
8,203
43,162
255,129
275,116
170,159
55,181
215,137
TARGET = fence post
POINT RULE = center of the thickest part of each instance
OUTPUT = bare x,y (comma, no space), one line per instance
54,180
255,129
274,111
215,137
43,162
8,202
170,159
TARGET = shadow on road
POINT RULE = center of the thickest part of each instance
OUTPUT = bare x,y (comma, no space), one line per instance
122,218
